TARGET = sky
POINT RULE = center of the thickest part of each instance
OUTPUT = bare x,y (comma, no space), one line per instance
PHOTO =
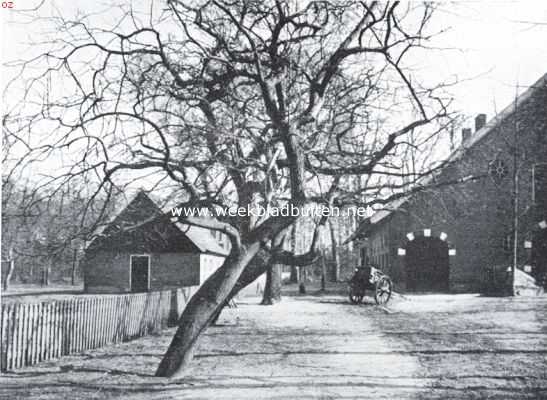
493,48
500,48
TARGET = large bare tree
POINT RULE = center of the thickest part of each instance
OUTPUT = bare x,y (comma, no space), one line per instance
230,104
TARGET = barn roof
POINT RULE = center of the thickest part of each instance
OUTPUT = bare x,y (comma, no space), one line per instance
139,210
203,239
472,141
142,226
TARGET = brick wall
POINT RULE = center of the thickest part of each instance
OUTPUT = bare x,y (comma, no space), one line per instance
171,270
108,272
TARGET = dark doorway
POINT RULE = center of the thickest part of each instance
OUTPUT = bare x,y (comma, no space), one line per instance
140,273
427,265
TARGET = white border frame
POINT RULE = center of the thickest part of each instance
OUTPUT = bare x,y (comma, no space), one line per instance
130,272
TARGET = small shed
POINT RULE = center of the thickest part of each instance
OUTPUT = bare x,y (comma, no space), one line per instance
142,250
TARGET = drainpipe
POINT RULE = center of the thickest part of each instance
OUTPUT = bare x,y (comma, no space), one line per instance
515,199
515,224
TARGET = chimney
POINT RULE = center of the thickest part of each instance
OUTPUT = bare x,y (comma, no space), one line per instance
466,133
480,121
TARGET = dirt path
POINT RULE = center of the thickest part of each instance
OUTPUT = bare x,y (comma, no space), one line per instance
475,346
323,348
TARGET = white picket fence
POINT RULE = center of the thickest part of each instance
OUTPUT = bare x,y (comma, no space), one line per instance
35,332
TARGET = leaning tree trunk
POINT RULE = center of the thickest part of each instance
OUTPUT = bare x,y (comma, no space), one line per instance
201,310
252,272
272,289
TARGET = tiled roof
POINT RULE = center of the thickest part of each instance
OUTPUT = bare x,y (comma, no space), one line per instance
140,213
494,122
470,142
203,239
139,210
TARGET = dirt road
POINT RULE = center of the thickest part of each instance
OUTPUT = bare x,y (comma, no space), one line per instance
458,346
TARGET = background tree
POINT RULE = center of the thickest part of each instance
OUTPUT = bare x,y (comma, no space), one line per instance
215,103
44,233
272,287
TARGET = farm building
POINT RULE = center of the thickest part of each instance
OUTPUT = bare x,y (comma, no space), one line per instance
452,237
142,250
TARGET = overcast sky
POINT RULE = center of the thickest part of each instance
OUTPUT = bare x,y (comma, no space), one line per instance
500,44
491,45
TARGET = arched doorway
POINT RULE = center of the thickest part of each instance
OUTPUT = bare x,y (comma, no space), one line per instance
427,264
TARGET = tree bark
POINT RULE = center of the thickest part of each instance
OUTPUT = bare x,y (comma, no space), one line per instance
46,272
294,269
9,273
294,274
335,254
255,269
323,272
272,289
201,310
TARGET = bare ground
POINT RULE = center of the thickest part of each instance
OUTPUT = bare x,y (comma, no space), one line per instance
431,346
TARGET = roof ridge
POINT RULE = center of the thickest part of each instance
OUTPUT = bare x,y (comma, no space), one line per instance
473,140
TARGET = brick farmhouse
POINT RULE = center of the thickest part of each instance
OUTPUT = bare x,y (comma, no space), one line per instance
448,238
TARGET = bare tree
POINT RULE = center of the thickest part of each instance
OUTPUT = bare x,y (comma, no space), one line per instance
335,252
217,102
43,230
